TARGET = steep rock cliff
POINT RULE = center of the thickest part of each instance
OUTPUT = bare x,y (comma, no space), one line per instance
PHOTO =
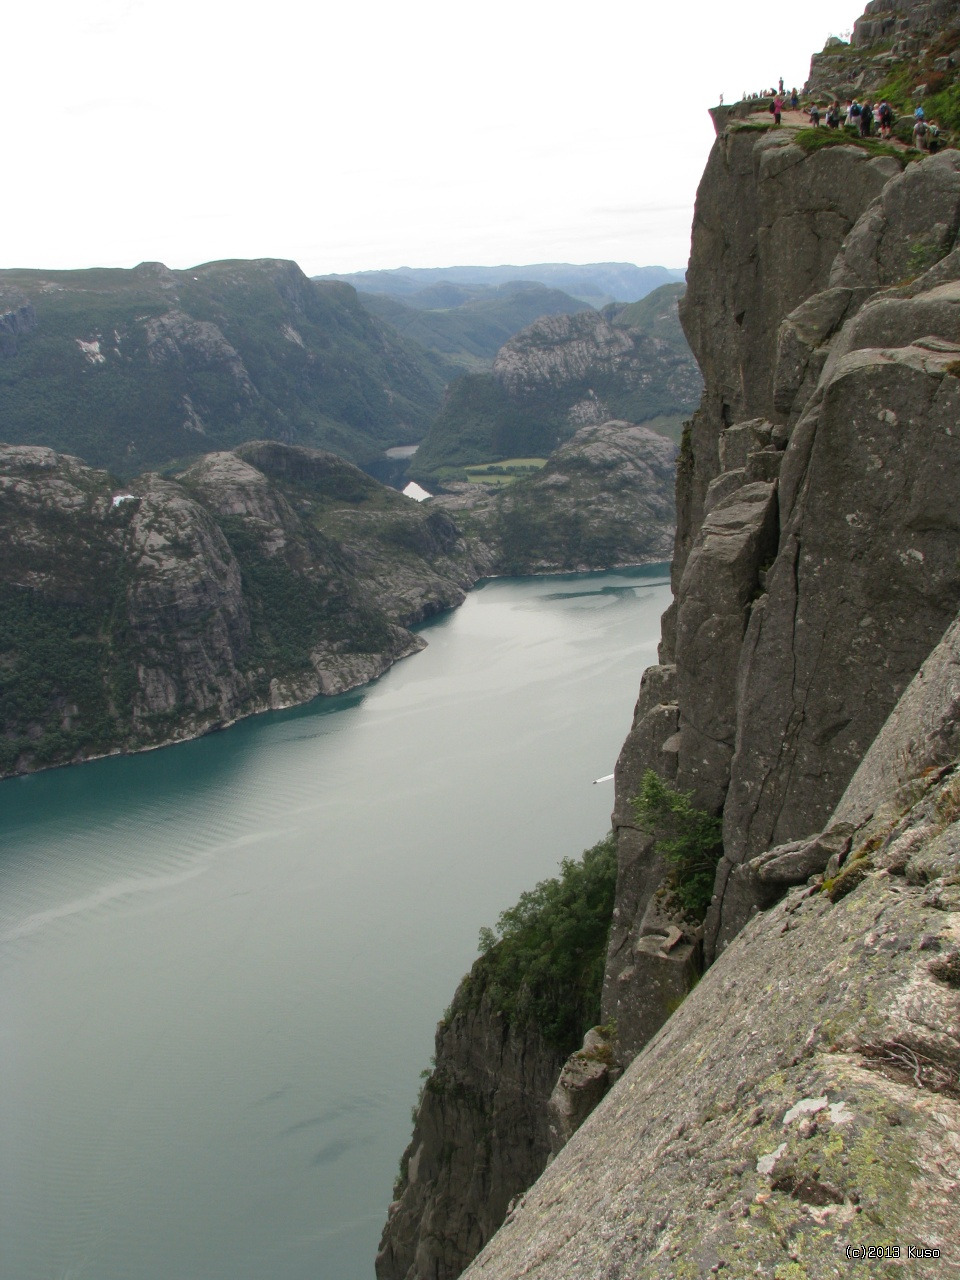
258,578
493,1110
816,559
801,1098
481,1137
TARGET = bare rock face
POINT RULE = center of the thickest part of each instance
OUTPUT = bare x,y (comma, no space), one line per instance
584,1080
605,498
767,227
187,612
481,1135
719,584
865,582
562,348
801,1105
817,549
913,224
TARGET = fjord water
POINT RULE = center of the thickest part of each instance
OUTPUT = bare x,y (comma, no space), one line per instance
221,963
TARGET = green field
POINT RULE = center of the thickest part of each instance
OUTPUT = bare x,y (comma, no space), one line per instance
505,472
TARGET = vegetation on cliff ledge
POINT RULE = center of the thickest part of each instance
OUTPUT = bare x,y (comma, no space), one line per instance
687,838
544,960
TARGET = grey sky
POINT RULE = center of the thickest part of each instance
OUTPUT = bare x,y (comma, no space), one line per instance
378,135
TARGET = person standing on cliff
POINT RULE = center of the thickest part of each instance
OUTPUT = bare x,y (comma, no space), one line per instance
813,112
794,100
780,90
866,120
885,118
777,108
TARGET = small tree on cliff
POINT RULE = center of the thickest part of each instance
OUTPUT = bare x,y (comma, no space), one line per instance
689,839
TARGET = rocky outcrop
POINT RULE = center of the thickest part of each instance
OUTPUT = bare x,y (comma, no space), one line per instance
559,374
189,623
793,1098
804,1102
816,561
604,498
256,579
481,1136
564,348
919,40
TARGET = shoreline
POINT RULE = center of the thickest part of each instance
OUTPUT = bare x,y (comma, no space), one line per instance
348,687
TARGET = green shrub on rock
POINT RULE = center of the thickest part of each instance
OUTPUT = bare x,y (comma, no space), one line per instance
688,838
544,960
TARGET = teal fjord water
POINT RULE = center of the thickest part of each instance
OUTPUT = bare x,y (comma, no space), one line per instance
221,963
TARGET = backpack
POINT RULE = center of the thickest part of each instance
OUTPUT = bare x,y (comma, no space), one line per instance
854,110
920,129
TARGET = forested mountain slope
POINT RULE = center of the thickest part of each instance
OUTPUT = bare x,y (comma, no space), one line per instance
148,614
148,368
559,374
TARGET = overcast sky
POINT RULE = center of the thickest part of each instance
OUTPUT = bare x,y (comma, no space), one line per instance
375,135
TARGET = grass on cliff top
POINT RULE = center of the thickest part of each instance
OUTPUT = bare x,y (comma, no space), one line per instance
688,839
811,140
544,961
941,99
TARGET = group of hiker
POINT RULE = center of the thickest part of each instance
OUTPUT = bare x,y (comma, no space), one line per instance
861,116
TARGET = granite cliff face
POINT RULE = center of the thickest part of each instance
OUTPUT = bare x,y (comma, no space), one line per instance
800,1097
258,578
816,561
481,1136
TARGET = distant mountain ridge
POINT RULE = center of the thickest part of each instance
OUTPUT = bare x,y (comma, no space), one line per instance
147,368
598,283
468,324
561,373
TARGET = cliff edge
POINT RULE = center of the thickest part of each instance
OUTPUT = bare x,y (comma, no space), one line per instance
792,1092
